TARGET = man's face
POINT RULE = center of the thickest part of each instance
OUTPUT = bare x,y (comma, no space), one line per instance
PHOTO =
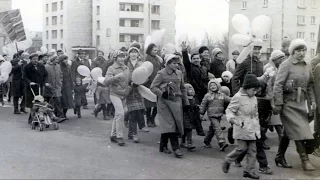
82,55
45,59
300,54
234,57
256,51
196,60
100,54
60,53
133,54
206,54
278,61
34,60
174,65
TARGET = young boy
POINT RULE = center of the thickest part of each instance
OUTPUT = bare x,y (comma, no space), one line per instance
213,103
102,95
79,96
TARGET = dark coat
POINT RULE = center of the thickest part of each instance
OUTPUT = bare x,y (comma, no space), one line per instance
101,63
67,87
217,67
80,94
191,116
243,69
39,76
205,63
74,66
17,85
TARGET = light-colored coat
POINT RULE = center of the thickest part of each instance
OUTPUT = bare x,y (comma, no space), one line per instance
231,66
244,110
293,87
54,79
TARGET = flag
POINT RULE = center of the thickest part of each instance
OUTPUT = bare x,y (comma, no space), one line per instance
12,24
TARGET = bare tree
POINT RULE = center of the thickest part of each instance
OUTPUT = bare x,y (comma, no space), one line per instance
208,41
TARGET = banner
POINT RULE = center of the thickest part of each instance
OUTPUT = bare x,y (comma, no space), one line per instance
13,25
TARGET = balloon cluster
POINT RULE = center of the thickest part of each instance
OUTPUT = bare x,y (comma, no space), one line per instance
5,70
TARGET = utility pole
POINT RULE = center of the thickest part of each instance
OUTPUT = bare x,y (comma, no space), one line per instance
282,20
149,17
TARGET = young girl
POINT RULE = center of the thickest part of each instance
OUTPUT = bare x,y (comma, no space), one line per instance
79,96
242,112
103,98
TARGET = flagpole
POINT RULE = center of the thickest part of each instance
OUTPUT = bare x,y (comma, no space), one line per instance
17,49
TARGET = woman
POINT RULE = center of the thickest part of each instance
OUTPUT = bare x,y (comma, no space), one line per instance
152,57
168,85
293,87
117,78
67,85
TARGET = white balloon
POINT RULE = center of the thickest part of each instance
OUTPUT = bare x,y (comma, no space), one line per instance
69,62
4,49
140,75
83,70
86,80
240,39
241,23
170,48
5,68
225,90
261,26
101,80
147,94
96,72
147,42
149,66
157,37
43,49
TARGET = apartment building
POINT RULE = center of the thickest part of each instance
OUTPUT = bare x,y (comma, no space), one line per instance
291,18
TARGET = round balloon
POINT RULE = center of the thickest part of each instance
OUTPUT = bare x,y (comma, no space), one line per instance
5,68
225,90
147,94
170,48
147,42
140,75
241,23
96,72
240,39
261,26
149,66
4,49
83,70
101,80
43,49
69,62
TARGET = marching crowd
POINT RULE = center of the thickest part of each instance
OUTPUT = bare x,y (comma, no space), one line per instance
254,97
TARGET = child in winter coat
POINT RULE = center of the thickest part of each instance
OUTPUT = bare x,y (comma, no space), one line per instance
242,112
39,105
226,80
79,96
102,95
213,103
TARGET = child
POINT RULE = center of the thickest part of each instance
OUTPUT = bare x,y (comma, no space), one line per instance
213,102
102,95
226,80
79,96
39,105
242,112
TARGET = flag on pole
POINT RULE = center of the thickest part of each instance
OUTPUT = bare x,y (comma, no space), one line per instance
12,24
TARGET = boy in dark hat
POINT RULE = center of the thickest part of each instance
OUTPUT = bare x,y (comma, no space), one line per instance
205,57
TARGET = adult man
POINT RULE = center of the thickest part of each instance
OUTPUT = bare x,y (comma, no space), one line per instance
217,66
205,57
43,59
53,91
18,85
35,77
232,63
100,62
59,53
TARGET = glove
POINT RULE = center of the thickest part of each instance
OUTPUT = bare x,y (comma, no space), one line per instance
186,108
165,95
313,106
276,110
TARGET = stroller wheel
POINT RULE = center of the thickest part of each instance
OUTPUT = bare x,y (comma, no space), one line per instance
40,128
47,126
55,126
32,126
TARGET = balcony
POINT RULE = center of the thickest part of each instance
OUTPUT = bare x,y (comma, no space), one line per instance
131,30
131,15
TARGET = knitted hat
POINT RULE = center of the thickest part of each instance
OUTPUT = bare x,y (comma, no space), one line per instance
168,57
276,54
286,42
119,53
295,44
250,81
188,86
227,73
202,49
136,45
215,51
33,55
133,48
62,57
257,42
214,81
24,54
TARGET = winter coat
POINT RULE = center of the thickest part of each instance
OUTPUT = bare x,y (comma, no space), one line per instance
231,66
217,67
39,76
101,63
317,97
134,99
191,116
157,65
80,94
74,66
205,63
243,112
294,86
214,102
103,96
169,111
67,87
18,84
54,79
118,86
243,69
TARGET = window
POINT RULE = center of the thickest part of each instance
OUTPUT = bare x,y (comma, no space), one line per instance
313,3
155,24
265,3
121,22
122,7
47,7
47,21
61,19
301,19
61,5
61,33
155,10
54,6
98,10
266,37
134,7
302,3
54,46
313,20
61,46
134,38
313,37
121,38
312,53
54,34
47,34
54,20
134,23
98,24
244,4
98,41
300,35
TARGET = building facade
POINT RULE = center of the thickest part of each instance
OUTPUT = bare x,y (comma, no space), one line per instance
105,25
5,5
291,18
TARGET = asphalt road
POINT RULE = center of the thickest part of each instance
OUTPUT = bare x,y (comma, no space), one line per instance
81,149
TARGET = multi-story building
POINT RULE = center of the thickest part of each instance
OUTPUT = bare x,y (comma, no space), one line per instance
105,25
5,5
291,18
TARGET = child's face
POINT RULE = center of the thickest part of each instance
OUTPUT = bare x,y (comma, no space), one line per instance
190,91
196,60
225,78
78,81
213,87
252,91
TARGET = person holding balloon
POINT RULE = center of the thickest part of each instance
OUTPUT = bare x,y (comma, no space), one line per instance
169,87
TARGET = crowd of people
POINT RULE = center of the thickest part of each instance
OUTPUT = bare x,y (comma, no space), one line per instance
253,96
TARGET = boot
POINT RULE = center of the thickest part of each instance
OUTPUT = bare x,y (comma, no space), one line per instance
178,153
280,159
306,165
251,175
16,111
105,115
23,110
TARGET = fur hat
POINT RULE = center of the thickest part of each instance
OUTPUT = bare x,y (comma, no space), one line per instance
250,81
33,55
214,81
227,73
215,51
202,49
296,43
276,54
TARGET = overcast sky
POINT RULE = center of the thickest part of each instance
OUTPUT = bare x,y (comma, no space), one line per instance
193,16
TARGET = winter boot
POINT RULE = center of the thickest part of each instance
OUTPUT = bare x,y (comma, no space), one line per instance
306,165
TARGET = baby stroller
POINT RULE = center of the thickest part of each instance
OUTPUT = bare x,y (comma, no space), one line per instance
40,116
